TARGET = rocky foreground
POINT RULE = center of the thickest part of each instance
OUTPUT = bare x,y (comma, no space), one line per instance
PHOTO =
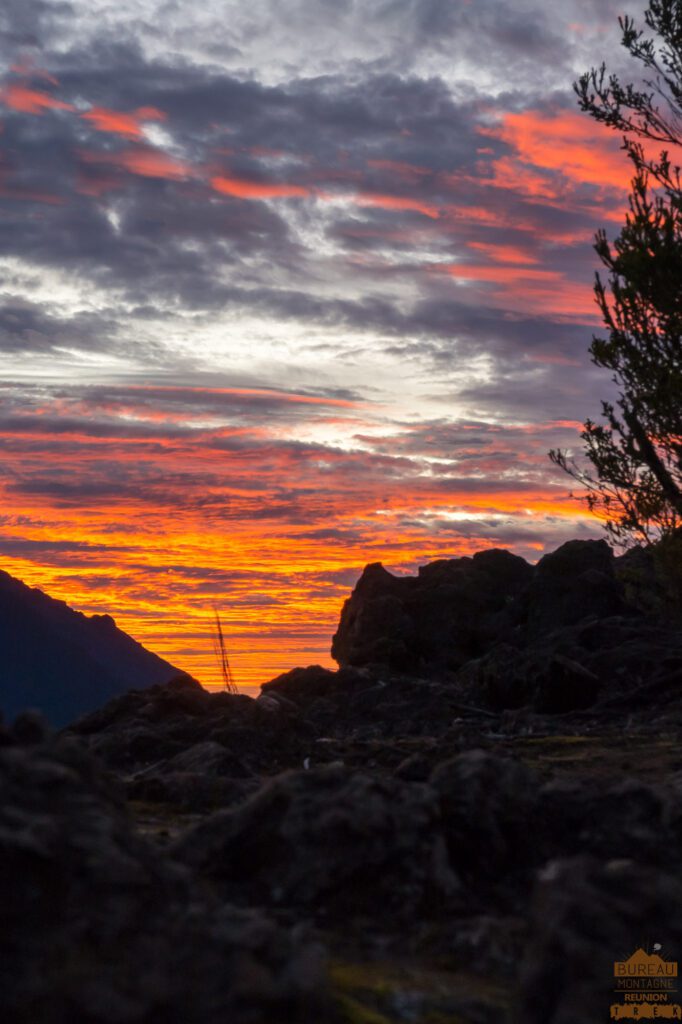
469,822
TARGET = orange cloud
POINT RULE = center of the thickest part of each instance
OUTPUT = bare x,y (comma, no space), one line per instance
503,275
31,101
271,394
142,160
119,123
528,290
504,253
396,203
274,532
566,142
243,189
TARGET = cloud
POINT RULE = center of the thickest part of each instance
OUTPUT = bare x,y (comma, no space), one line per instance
31,101
272,309
564,141
129,125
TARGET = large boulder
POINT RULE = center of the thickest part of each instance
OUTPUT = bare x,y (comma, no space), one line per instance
437,621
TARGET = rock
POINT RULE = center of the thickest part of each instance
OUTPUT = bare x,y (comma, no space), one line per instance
575,816
487,804
334,843
563,684
209,758
166,729
96,925
549,683
436,621
189,791
415,768
300,686
201,777
575,582
375,628
586,916
576,557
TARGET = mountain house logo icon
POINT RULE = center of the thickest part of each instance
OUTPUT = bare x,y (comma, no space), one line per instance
647,983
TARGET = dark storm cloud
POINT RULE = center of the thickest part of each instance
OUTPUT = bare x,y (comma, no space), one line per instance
28,327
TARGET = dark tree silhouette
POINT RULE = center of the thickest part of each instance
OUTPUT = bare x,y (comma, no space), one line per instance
650,111
635,479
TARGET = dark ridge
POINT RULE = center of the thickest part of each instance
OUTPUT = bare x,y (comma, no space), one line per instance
62,662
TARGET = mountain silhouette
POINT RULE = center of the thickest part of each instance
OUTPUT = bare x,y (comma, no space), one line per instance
62,662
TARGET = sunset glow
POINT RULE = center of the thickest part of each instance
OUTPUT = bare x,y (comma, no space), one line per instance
261,327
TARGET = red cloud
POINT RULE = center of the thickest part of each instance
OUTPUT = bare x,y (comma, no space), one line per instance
144,161
182,394
118,123
31,101
396,203
263,526
243,189
504,253
528,290
566,142
27,195
505,275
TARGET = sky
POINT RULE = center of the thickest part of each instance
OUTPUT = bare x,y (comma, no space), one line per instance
287,287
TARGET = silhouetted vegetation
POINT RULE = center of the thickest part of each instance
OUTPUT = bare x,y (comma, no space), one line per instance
220,648
635,480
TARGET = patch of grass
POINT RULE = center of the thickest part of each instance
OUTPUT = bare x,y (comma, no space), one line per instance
353,1012
380,993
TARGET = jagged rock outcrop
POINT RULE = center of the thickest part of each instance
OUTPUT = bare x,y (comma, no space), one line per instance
556,637
449,613
182,745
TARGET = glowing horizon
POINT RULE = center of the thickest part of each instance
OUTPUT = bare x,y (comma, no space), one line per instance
271,312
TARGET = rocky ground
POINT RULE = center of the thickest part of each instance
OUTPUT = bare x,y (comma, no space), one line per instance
468,822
